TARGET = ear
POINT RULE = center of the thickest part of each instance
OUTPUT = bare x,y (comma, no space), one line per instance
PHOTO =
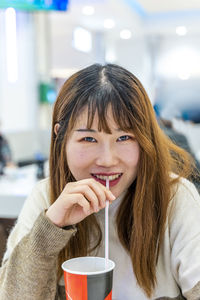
56,128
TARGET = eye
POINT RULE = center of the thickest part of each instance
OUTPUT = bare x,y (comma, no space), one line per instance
124,138
89,139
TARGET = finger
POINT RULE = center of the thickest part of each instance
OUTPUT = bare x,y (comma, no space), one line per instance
88,193
109,196
69,200
91,182
97,197
82,201
102,192
79,199
91,196
99,190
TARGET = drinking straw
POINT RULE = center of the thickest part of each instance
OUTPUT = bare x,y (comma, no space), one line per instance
107,226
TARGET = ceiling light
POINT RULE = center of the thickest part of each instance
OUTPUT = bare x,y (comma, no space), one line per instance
82,39
183,61
110,56
125,34
88,10
109,23
181,30
184,75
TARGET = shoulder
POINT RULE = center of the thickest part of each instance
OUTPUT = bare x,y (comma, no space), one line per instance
42,187
184,191
185,202
41,190
37,201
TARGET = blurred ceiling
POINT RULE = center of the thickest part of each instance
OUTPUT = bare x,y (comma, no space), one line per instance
147,20
157,6
157,15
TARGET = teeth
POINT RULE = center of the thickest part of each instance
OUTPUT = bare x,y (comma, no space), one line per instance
111,177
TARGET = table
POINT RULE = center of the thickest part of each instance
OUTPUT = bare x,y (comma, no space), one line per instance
15,186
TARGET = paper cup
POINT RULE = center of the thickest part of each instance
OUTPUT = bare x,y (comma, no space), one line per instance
88,278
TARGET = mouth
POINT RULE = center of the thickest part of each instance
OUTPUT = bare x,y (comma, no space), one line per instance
113,178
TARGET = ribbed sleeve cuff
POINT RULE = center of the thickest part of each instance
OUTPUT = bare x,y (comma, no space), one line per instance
48,239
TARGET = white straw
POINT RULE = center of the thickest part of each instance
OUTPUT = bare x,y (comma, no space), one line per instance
107,226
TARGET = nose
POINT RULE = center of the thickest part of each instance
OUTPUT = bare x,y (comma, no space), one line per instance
107,156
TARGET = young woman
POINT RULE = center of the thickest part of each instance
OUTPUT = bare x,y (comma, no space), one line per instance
104,127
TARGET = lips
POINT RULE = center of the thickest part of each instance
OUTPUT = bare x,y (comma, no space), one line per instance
112,177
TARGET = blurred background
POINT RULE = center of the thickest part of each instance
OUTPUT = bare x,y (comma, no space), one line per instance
43,42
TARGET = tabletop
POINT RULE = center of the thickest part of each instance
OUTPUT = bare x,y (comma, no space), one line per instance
15,186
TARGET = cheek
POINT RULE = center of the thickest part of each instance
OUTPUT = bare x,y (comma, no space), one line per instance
131,155
77,157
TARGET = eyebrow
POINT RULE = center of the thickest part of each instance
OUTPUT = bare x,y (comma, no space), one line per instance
86,130
92,130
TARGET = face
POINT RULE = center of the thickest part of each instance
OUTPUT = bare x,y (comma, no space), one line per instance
99,155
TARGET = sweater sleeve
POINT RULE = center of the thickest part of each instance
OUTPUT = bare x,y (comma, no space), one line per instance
184,224
30,273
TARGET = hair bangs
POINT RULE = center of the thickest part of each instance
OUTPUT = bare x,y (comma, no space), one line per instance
121,115
101,102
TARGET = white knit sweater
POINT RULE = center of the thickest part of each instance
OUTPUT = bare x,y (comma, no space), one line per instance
179,258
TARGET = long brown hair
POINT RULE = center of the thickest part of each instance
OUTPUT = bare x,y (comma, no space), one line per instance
142,214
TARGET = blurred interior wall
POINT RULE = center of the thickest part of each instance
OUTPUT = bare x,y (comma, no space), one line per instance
18,105
19,98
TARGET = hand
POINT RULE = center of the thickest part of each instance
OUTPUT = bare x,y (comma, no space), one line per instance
77,201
